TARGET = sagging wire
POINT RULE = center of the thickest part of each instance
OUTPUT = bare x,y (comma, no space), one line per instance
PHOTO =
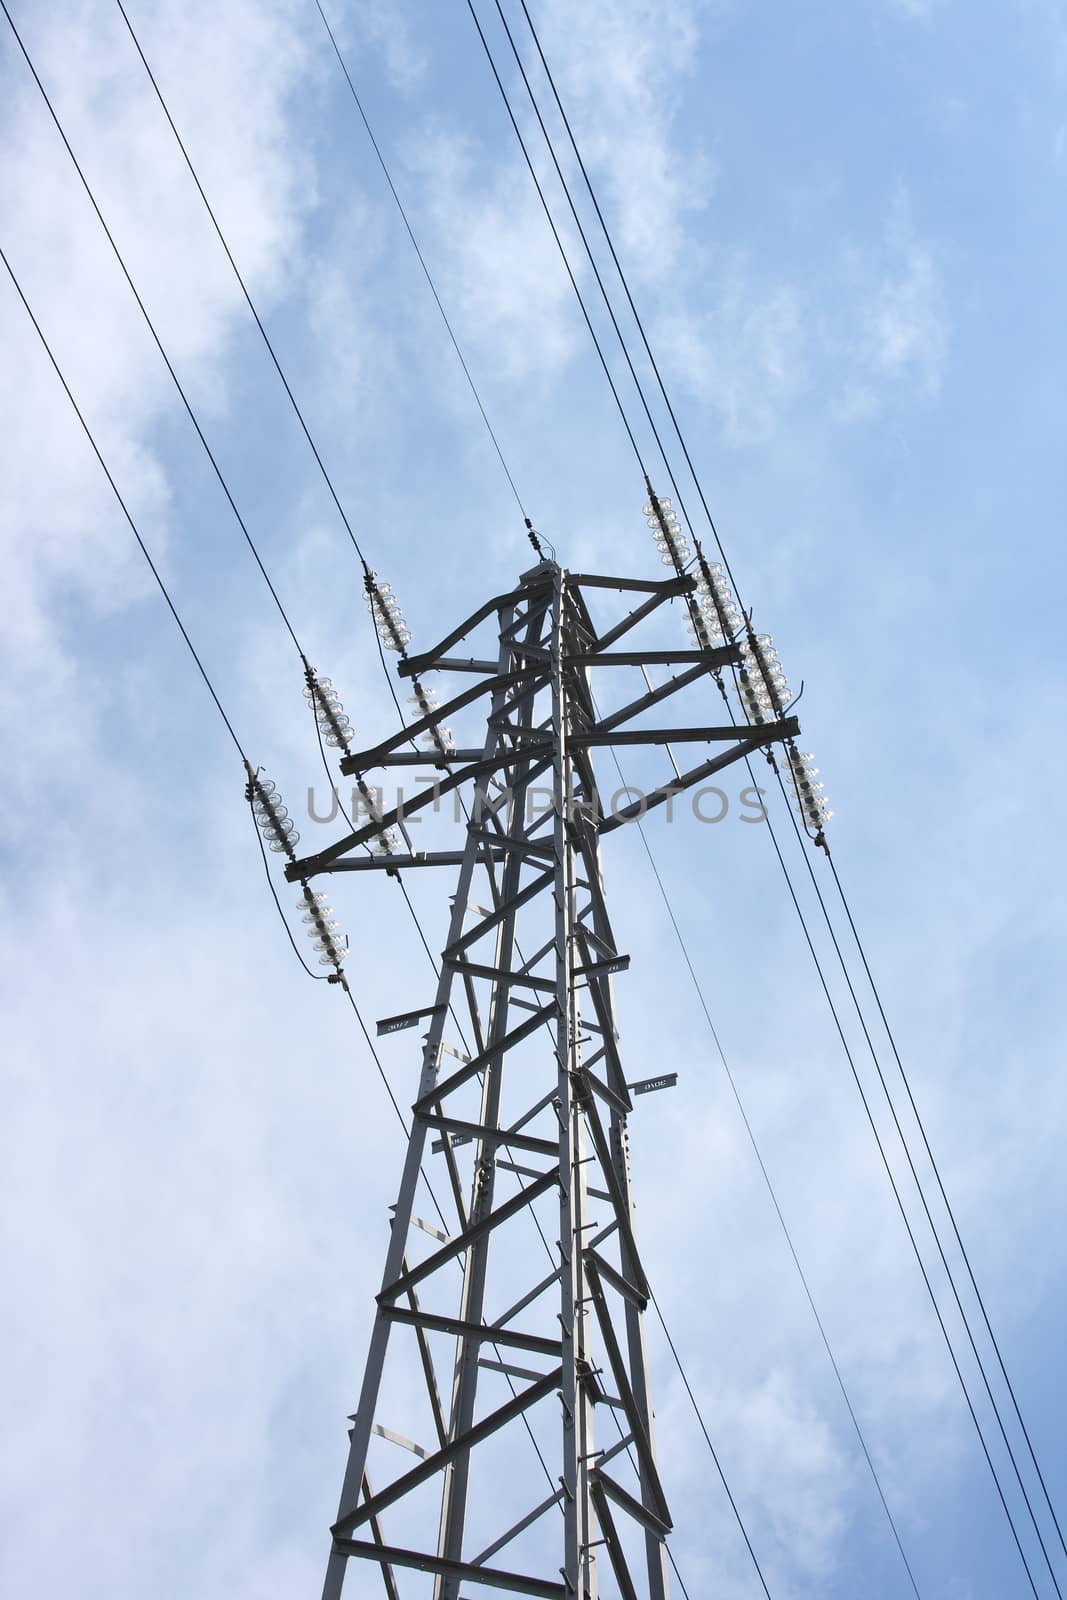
764,695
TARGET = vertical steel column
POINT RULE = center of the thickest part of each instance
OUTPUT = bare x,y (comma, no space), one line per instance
579,1566
465,1382
581,712
401,1223
655,1549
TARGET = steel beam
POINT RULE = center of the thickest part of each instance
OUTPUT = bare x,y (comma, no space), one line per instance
491,1577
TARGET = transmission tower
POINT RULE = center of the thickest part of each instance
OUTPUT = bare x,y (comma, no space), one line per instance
504,1433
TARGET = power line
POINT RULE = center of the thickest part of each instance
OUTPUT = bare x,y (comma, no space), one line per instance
185,636
626,424
592,262
244,287
172,608
711,1447
922,1197
281,373
749,1130
511,482
203,440
606,298
150,325
682,442
171,605
896,1194
559,242
630,300
421,259
911,1164
194,654
766,1174
332,491
689,463
944,1196
259,321
166,359
270,347
170,368
196,659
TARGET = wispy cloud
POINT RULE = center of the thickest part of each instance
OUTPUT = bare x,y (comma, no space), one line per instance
195,1177
872,324
503,275
919,10
747,358
623,116
59,524
906,327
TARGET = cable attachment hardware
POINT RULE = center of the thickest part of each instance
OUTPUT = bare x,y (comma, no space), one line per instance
544,548
532,535
325,934
764,687
324,700
386,614
807,793
271,816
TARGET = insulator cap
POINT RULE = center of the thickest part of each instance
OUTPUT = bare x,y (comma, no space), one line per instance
764,687
333,724
808,794
325,934
278,829
671,541
386,614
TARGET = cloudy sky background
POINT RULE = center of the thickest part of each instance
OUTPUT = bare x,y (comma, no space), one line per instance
847,229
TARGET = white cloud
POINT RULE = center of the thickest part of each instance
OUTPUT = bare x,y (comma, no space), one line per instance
747,358
765,350
503,278
58,523
905,330
623,114
891,331
193,1145
387,37
503,274
919,10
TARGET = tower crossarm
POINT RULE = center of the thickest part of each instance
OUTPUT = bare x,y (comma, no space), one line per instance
365,760
767,733
502,606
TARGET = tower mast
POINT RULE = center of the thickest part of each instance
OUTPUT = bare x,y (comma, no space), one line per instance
522,1111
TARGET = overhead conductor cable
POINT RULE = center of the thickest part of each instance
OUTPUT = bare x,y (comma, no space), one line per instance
801,796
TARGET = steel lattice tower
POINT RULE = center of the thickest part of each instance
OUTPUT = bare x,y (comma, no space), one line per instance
535,1465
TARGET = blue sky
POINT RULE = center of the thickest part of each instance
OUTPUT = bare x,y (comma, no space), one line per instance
845,228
